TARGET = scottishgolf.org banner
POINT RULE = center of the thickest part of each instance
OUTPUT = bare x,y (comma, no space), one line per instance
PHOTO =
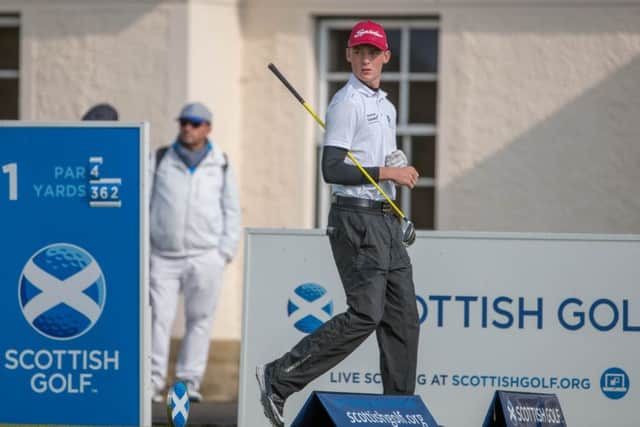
521,312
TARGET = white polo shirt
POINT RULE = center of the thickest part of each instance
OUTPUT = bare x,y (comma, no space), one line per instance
363,121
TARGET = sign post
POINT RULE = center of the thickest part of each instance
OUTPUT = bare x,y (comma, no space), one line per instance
73,274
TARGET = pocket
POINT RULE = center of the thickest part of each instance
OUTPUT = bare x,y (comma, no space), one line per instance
358,230
348,226
220,260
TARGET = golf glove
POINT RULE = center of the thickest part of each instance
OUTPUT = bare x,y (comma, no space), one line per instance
396,159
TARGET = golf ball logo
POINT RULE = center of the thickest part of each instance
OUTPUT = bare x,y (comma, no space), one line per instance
178,407
309,307
62,291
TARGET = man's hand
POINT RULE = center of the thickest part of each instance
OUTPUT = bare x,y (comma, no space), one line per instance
407,176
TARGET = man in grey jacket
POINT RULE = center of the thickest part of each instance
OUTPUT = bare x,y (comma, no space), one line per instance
195,227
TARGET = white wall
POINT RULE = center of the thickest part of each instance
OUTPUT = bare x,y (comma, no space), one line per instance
214,77
539,121
279,133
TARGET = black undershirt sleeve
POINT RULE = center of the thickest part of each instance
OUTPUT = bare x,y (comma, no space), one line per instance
336,171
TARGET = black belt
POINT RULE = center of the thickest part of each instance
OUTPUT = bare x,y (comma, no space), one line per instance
361,203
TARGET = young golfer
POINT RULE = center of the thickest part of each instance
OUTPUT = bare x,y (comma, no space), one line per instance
365,236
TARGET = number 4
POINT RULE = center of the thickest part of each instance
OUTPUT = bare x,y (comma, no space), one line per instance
12,170
95,171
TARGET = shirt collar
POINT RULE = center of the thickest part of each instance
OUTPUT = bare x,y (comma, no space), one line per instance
364,89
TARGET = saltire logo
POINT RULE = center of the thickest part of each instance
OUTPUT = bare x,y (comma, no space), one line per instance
178,405
309,307
62,291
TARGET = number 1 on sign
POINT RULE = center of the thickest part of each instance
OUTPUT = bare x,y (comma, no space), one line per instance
12,170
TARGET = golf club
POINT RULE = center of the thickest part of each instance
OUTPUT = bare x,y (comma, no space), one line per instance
408,229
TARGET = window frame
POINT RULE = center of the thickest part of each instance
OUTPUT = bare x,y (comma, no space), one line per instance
404,77
9,20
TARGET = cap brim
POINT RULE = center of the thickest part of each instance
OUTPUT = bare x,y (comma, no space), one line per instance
192,119
370,43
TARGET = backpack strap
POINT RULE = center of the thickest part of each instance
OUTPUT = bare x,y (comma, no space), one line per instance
160,153
226,162
225,165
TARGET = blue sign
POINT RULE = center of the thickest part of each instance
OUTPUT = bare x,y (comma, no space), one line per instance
345,409
71,280
511,409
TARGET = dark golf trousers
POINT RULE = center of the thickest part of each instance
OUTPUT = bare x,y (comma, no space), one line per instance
378,281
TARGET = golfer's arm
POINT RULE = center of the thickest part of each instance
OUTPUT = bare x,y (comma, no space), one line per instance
336,171
387,174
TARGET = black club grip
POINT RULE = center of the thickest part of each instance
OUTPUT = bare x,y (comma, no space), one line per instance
285,82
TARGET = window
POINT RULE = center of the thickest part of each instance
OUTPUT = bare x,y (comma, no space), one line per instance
411,82
9,66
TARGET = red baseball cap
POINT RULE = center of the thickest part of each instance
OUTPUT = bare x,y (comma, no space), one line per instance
368,32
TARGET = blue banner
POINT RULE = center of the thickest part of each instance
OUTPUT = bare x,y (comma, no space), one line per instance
346,409
512,409
70,198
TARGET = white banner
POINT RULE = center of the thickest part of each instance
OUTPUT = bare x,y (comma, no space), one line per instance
521,312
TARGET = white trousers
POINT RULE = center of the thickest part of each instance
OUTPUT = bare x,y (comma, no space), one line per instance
200,279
